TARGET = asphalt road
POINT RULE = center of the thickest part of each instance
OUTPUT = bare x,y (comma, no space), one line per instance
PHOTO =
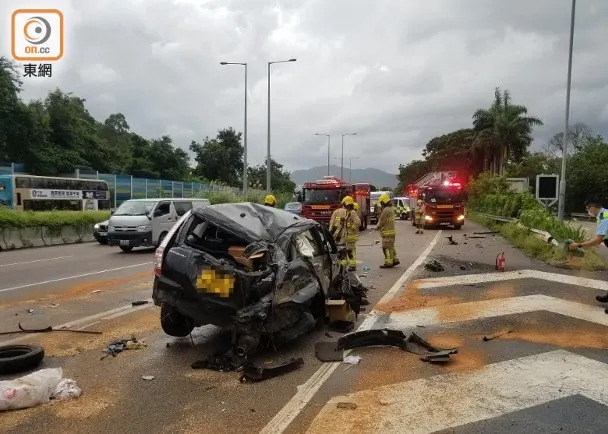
550,322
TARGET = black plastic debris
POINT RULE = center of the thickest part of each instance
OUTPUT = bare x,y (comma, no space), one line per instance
139,302
251,372
486,233
496,335
451,241
434,266
395,338
463,267
327,351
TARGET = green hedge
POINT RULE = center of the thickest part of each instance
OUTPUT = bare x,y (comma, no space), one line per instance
491,195
50,219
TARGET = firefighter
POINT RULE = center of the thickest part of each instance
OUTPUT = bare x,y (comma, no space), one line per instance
335,218
351,224
270,200
419,216
386,226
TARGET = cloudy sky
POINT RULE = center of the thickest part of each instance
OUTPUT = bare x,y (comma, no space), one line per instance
396,72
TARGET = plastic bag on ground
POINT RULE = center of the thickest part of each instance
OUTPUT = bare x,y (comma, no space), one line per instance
36,388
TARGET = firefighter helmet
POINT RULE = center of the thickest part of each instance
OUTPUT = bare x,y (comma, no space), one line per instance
347,201
384,199
270,200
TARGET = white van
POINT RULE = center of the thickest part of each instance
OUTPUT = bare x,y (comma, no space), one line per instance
145,222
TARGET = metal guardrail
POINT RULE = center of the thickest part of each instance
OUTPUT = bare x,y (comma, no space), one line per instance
496,217
546,235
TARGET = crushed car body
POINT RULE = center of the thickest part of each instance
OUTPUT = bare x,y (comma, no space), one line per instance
263,272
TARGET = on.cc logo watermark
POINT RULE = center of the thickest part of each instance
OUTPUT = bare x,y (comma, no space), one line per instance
37,34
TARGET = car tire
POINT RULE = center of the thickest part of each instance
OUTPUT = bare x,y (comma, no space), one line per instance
126,249
174,323
161,239
19,358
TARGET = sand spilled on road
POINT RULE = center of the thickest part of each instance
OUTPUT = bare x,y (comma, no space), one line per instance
412,299
64,344
580,337
466,360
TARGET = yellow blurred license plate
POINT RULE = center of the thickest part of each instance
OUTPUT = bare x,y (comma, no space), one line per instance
445,206
320,207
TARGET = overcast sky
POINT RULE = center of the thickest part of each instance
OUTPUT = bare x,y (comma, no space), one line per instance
395,72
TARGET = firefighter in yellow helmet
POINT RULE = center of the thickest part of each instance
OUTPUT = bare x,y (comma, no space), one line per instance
351,225
386,226
419,216
335,219
270,200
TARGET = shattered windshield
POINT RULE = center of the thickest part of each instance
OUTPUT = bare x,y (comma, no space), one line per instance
135,208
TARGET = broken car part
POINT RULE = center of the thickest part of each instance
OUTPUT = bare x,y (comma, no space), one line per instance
19,358
451,241
257,373
434,266
48,329
496,335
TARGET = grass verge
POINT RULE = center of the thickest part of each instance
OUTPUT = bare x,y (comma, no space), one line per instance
535,247
50,219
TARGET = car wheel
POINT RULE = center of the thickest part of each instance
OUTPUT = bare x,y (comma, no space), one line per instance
161,239
126,249
19,358
174,323
457,226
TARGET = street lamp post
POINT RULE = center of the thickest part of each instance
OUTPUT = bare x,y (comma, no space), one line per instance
342,159
245,183
328,145
562,183
268,160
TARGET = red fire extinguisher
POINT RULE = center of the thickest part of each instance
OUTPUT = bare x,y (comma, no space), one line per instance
500,261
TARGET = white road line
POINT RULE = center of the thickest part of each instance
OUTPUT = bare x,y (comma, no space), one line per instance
467,279
452,400
74,277
33,262
307,391
88,321
494,308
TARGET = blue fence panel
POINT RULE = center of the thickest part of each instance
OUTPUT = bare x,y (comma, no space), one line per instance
178,189
139,188
188,189
153,187
166,188
123,188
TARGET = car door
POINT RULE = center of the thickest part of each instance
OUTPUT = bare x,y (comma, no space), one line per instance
162,219
309,246
330,264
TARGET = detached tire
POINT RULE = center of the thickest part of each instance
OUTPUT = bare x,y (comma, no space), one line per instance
174,323
19,358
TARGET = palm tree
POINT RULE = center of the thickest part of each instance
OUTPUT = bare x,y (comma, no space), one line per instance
504,131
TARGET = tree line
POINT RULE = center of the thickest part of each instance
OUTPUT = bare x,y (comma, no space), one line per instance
498,141
57,135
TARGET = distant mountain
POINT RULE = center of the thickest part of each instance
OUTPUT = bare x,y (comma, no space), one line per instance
377,177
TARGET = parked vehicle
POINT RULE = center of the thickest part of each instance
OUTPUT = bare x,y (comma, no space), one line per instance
261,271
100,232
402,207
375,209
294,208
146,222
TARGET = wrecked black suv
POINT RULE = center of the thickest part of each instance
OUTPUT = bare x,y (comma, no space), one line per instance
263,272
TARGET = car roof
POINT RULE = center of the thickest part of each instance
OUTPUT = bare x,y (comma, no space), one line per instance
252,221
156,199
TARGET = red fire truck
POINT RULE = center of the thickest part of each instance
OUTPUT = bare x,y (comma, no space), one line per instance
443,199
322,197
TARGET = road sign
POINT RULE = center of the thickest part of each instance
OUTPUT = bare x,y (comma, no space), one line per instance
547,189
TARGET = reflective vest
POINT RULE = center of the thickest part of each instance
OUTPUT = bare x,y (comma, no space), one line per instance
336,228
386,223
601,217
353,222
400,209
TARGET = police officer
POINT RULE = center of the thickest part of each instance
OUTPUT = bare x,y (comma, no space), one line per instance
270,200
386,226
594,207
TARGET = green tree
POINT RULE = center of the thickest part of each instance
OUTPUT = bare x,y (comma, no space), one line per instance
279,178
220,158
533,164
579,135
411,173
168,161
504,130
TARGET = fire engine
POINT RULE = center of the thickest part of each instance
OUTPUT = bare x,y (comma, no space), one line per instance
322,197
443,199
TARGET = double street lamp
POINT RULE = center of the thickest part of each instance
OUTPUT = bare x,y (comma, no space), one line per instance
328,144
245,185
342,163
268,160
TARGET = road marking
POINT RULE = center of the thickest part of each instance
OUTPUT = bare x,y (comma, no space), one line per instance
447,401
307,391
88,321
467,279
32,262
493,308
74,277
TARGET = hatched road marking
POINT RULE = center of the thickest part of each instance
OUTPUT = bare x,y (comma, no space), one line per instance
451,400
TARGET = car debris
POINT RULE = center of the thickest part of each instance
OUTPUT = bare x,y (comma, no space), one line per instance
118,346
49,329
250,372
19,358
451,241
139,302
347,405
147,377
434,266
352,360
486,233
265,273
496,335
